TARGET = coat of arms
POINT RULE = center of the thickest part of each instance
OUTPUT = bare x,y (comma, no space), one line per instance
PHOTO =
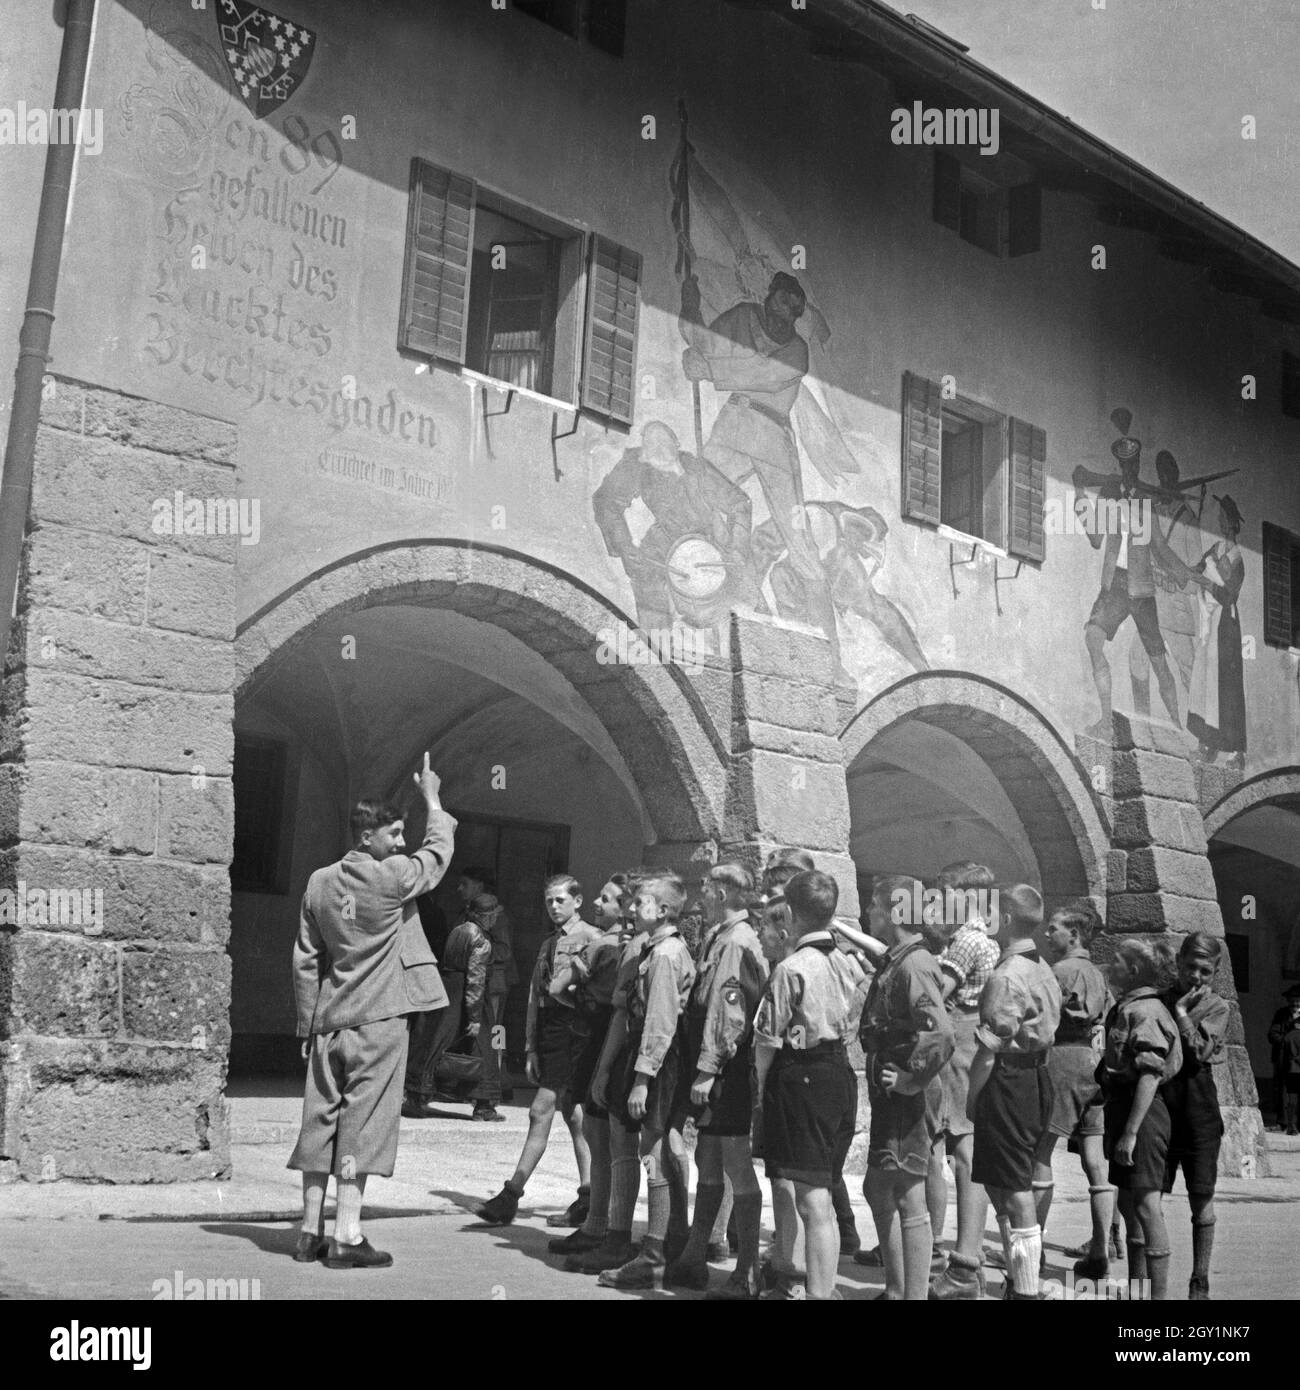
268,57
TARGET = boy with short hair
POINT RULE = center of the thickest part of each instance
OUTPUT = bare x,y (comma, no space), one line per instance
478,892
1010,1099
550,1054
1072,1064
645,1037
966,962
728,985
907,1037
808,1089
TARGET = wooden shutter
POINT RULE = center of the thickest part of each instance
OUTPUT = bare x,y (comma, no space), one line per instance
922,447
1278,618
609,353
439,246
947,189
1027,461
1025,215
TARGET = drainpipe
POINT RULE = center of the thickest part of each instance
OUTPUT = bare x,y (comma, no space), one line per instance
38,317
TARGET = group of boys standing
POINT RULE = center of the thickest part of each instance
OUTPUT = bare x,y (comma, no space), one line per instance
974,1046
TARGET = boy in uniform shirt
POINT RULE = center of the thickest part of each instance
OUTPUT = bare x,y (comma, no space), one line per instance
965,964
645,1035
808,1090
907,1037
1010,1101
550,1053
595,972
714,1085
1072,1065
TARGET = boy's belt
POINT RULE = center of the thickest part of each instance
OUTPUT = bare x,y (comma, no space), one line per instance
1022,1061
832,1047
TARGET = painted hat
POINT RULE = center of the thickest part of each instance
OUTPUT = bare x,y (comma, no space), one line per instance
1126,448
1229,505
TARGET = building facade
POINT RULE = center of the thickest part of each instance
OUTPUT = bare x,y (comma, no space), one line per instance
627,404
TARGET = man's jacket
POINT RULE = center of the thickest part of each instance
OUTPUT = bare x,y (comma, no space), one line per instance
361,954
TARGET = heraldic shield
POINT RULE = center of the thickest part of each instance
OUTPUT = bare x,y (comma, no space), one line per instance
267,56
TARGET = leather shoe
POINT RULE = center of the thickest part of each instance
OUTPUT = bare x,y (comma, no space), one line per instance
309,1248
682,1274
735,1290
576,1244
501,1209
489,1113
363,1255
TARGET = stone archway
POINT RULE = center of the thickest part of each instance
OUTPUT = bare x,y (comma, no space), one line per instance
1276,787
666,737
1044,781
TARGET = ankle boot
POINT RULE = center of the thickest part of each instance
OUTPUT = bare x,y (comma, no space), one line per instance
646,1271
615,1250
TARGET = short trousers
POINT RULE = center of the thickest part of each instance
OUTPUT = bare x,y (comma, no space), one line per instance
731,1102
904,1129
1011,1116
555,1048
810,1106
954,1075
1195,1132
1151,1153
352,1102
589,1031
659,1095
1115,604
1076,1105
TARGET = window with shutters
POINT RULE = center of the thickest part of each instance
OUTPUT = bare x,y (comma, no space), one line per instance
1281,587
510,294
601,23
992,202
972,470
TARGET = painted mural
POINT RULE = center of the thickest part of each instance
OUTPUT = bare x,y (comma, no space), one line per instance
733,525
1179,593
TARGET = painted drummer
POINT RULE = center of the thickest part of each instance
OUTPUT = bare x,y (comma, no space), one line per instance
693,563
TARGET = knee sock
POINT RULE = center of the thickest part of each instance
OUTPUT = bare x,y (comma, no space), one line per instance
1137,1259
1100,1198
677,1174
1043,1202
1157,1262
708,1206
624,1185
918,1240
347,1218
1026,1255
749,1219
313,1203
718,1235
659,1201
597,1219
1202,1248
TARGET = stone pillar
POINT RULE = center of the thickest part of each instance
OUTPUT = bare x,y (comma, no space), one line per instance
787,782
1161,882
116,803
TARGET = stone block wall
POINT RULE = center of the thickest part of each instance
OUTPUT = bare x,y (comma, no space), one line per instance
115,780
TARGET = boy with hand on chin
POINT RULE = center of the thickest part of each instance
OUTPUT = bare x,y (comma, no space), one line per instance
1011,1093
551,1051
907,1037
645,1038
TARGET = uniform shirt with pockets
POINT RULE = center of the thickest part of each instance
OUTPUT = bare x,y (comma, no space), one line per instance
1203,1040
598,965
654,986
727,990
1142,1038
1020,1007
905,1021
970,958
554,964
1085,997
814,996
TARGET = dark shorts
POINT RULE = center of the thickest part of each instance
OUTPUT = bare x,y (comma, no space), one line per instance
810,1105
1076,1103
1012,1114
1195,1133
1150,1154
731,1102
556,1048
1115,604
904,1128
659,1095
954,1075
589,1031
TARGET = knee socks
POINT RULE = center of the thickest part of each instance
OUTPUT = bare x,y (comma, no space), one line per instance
749,1218
1202,1248
659,1201
918,1240
708,1206
1157,1262
624,1186
1100,1199
1026,1255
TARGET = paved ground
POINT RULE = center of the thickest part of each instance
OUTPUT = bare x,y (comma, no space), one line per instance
69,1241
